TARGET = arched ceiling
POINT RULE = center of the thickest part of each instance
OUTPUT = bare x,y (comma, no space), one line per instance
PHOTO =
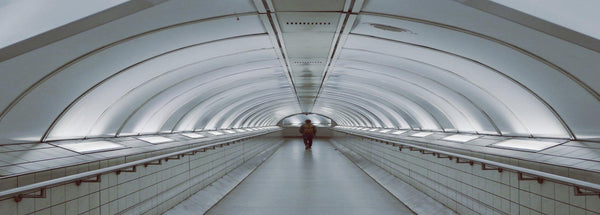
119,67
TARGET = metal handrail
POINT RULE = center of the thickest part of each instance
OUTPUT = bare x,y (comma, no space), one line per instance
18,192
574,182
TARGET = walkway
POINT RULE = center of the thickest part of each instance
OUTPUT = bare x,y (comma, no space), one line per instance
317,181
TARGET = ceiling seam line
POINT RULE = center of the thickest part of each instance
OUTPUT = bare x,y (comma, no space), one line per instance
401,109
424,110
441,97
578,81
335,49
210,96
46,77
117,134
530,21
280,45
98,84
531,92
374,103
453,74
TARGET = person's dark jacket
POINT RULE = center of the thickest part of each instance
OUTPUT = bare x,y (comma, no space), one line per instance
308,130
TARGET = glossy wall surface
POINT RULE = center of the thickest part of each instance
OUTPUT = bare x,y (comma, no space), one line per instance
121,68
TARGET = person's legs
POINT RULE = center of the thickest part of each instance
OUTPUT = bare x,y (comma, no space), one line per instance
310,142
305,142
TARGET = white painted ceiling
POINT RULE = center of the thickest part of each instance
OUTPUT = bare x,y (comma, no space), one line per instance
162,66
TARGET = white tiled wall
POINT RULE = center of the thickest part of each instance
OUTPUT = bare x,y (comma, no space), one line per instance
149,190
469,189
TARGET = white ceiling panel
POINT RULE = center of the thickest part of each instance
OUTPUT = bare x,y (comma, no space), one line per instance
185,65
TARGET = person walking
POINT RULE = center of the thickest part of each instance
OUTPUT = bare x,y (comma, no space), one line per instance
308,132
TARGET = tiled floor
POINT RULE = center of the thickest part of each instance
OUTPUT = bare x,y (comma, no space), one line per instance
317,181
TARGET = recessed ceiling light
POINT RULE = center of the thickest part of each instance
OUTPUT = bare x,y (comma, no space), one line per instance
461,138
399,132
525,145
155,139
91,146
216,133
192,135
421,134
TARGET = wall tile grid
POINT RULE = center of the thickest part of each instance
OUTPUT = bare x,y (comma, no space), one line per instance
469,189
581,158
150,190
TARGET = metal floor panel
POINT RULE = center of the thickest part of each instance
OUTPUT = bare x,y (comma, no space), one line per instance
317,181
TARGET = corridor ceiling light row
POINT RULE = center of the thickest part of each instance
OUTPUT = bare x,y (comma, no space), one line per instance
399,132
90,146
193,135
156,139
525,145
216,133
461,138
421,134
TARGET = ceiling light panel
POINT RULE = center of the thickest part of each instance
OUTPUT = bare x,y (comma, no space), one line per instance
525,145
92,146
193,135
421,134
399,132
461,138
156,139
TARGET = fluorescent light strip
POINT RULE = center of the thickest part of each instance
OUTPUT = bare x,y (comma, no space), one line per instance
461,138
230,131
374,129
216,133
192,135
155,139
421,134
525,145
399,132
385,131
93,146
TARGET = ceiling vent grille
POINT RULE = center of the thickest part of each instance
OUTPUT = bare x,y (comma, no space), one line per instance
308,23
308,62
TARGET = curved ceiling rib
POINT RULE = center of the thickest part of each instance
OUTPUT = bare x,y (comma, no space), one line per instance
490,105
381,106
192,65
424,117
299,115
192,101
176,100
373,119
435,99
279,106
258,54
83,72
443,58
201,117
424,82
342,117
383,117
248,117
524,51
397,114
520,85
73,61
234,109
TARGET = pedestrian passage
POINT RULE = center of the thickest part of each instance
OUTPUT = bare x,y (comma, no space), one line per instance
317,181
